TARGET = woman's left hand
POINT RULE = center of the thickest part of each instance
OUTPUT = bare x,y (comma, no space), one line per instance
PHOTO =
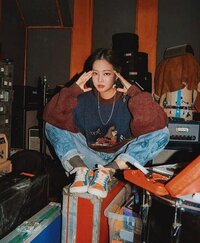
124,82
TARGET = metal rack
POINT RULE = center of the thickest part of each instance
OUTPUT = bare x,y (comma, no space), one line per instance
6,97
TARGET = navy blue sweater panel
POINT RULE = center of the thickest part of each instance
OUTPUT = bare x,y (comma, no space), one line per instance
87,118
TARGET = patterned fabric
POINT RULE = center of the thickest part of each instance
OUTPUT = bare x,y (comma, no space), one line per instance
141,149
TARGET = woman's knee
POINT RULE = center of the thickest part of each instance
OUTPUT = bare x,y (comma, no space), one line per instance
55,134
163,139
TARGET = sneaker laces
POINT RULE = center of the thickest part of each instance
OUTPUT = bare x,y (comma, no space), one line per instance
80,173
101,177
106,169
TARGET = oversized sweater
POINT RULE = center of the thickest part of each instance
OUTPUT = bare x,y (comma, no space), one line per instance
133,115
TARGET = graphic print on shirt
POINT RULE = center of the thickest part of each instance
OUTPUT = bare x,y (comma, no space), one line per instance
109,139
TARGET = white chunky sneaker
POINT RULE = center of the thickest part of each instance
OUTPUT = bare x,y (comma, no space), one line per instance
82,180
99,185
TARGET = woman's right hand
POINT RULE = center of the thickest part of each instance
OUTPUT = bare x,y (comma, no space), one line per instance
81,82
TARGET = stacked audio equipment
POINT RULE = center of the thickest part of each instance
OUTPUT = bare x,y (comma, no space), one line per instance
134,63
6,97
24,114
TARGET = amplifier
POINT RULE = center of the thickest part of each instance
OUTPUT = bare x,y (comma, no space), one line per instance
184,131
34,139
6,95
178,50
5,83
7,68
26,97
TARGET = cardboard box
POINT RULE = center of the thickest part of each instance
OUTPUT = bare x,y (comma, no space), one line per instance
3,148
6,167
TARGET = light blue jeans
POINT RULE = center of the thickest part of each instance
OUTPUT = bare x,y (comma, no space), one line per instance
142,149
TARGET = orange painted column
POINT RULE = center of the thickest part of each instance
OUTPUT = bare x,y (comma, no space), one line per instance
146,28
81,45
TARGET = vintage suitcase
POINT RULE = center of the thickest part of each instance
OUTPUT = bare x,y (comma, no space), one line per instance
20,198
44,226
171,209
186,182
83,218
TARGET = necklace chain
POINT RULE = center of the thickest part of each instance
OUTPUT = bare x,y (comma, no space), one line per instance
99,112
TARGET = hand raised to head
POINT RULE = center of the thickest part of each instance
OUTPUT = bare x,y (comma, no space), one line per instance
81,82
124,82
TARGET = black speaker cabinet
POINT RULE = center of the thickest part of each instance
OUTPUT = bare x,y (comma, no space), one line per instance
144,81
135,62
24,114
123,43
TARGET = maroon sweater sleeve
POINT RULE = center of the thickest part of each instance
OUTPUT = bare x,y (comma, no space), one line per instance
58,111
148,116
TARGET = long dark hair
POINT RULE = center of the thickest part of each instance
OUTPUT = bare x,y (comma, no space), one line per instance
103,54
